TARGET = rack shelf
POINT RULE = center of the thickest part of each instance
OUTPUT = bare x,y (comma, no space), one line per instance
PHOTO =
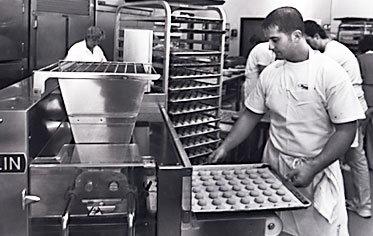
188,51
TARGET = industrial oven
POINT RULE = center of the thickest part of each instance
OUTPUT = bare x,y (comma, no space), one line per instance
88,153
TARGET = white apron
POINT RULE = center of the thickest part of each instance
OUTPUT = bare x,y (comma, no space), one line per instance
301,113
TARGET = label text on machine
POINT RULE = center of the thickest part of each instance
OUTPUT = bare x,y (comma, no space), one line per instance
12,163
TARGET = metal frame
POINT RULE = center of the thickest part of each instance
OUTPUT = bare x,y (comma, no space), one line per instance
92,70
170,55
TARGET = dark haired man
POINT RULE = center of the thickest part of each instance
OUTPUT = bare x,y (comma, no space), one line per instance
313,117
88,50
355,157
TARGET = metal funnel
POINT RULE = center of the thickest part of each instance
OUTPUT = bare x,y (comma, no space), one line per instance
102,110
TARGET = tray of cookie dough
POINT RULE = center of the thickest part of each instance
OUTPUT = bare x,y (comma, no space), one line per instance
246,187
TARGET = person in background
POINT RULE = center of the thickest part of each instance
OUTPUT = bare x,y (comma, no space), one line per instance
88,50
355,157
313,118
366,68
259,57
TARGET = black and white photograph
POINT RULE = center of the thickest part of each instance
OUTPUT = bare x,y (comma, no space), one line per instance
186,117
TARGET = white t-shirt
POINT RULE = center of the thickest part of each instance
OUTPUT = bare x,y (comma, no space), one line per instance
80,52
259,55
305,132
344,57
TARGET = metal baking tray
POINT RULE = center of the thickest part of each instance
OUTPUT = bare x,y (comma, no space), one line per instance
246,187
191,96
181,109
192,73
200,151
190,85
198,141
193,120
197,130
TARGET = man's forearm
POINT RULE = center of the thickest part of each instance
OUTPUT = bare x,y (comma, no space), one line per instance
336,147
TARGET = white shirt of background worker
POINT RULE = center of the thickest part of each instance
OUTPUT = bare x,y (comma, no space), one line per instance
88,50
259,57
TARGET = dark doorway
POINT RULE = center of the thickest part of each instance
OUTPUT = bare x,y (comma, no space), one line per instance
251,34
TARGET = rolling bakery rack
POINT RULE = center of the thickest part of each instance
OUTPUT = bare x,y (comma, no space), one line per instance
187,50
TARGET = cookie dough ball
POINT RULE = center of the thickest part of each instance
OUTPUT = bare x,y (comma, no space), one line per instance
250,171
228,194
237,172
237,188
205,177
233,182
280,192
208,183
262,186
254,193
202,173
202,202
226,172
241,176
220,183
197,189
214,195
245,200
231,201
246,182
253,176
217,202
224,188
199,196
286,199
211,189
217,177
273,199
261,171
229,177
250,187
270,181
214,173
241,194
258,181
267,193
276,186
259,200
266,176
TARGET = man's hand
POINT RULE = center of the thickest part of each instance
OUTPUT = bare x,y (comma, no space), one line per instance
218,155
302,176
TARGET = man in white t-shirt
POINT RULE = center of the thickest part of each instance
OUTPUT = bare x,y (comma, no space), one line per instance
259,57
88,50
355,157
313,117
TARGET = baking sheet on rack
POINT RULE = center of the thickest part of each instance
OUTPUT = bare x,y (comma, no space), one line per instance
246,187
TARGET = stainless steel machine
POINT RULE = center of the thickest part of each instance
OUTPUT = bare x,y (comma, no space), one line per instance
90,156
